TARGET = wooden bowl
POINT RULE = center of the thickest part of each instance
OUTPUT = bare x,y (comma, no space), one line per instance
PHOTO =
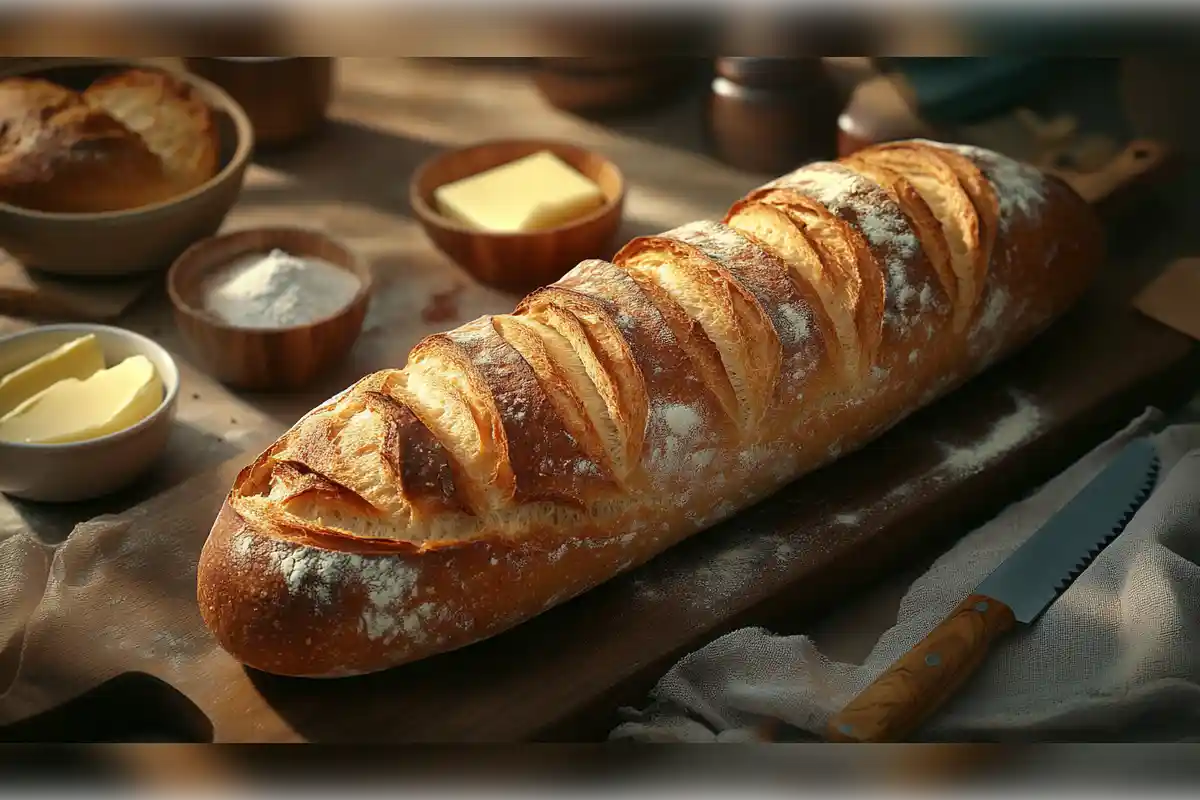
285,98
138,240
265,359
75,471
519,262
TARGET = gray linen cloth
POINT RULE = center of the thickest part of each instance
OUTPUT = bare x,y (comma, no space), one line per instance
1116,658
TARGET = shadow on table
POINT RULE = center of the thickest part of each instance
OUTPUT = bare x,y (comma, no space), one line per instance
134,707
679,124
350,163
345,163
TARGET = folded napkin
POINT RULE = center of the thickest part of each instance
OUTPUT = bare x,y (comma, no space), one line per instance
1116,658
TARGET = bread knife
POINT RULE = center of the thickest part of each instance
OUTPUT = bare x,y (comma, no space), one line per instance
1018,591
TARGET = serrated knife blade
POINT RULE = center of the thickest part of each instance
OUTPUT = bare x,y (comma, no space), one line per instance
1018,591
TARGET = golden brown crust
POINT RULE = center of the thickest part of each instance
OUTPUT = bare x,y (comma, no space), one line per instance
694,268
789,345
327,608
964,224
26,107
811,268
853,280
415,513
611,381
919,215
420,466
1040,225
540,458
690,337
673,387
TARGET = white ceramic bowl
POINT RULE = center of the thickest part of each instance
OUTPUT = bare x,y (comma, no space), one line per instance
60,473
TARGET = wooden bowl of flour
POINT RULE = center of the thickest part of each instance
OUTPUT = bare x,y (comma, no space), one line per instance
269,309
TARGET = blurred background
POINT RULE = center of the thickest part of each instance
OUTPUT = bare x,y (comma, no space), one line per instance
592,773
513,30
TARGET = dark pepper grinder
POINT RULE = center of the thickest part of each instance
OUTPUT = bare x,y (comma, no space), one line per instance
772,115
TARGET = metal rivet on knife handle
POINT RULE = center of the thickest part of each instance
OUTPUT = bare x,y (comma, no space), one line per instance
909,691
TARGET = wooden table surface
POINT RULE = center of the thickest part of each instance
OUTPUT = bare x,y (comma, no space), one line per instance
390,115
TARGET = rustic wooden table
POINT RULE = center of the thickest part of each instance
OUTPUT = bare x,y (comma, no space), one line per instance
389,115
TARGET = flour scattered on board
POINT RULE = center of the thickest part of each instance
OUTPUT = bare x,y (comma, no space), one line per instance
725,578
1008,433
850,519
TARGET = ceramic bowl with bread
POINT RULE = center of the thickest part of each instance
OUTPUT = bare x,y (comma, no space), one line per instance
84,410
519,213
269,309
111,168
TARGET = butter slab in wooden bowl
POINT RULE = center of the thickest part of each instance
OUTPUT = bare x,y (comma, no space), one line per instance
519,213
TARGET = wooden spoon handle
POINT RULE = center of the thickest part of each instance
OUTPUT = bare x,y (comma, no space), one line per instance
925,677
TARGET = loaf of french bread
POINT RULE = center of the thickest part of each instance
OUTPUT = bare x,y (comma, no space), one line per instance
522,459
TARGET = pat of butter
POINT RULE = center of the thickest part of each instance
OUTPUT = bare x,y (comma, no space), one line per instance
74,410
532,193
79,358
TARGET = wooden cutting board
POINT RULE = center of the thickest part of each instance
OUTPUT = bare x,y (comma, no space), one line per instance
31,295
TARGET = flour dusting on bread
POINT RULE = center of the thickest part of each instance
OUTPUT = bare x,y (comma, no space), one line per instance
1020,187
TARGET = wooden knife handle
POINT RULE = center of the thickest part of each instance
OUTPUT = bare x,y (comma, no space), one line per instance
925,677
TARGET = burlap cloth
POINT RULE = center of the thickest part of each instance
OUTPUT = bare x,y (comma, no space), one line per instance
1117,657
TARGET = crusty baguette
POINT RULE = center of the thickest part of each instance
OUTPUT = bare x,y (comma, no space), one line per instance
522,459
59,155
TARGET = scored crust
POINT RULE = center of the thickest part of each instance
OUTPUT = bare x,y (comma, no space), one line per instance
1030,208
776,230
607,378
682,410
412,514
941,188
919,216
850,284
697,270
